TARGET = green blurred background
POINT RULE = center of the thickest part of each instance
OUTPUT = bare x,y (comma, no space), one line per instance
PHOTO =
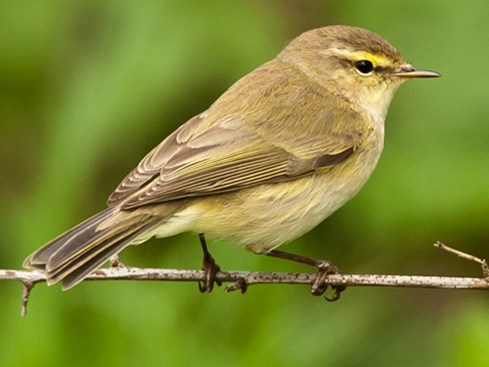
89,87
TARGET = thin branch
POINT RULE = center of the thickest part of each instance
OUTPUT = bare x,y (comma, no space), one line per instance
251,278
463,255
242,279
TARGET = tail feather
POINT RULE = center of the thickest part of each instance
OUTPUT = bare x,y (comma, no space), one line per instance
70,257
75,271
79,244
40,258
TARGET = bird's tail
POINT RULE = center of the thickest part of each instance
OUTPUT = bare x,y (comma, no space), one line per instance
70,257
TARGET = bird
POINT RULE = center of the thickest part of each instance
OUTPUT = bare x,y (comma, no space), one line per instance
277,153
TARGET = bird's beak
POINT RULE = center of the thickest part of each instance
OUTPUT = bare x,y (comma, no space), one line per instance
408,71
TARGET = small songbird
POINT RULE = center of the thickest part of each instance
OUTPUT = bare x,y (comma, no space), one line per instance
281,150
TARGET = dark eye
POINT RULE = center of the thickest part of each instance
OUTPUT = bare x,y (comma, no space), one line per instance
364,66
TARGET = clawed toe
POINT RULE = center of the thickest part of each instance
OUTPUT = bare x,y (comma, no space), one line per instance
325,268
209,267
319,286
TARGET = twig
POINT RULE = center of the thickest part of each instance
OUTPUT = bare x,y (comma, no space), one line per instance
26,291
239,278
463,255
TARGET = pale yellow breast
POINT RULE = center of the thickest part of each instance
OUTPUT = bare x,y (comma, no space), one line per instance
263,217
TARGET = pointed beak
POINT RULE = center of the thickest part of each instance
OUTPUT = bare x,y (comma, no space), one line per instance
408,71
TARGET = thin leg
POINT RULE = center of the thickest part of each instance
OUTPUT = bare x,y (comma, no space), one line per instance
209,267
325,268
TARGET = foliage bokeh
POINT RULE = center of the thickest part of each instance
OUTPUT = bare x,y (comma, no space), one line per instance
87,88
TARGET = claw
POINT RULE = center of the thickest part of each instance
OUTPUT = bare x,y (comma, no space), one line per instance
337,293
209,267
319,286
325,268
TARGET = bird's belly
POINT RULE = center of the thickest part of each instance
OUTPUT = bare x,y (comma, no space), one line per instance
264,217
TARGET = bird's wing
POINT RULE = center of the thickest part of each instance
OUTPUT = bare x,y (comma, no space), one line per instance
225,156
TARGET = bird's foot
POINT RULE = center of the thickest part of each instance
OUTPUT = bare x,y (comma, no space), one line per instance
210,268
319,286
325,267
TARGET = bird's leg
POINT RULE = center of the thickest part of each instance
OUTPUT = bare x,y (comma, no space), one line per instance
325,268
209,267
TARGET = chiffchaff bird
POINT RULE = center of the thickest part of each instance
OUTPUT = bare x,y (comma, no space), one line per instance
277,153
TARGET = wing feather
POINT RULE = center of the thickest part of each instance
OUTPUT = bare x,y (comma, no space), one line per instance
214,153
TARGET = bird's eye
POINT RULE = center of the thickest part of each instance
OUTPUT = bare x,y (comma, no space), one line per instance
364,67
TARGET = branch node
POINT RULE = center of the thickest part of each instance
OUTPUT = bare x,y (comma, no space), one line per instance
240,284
485,270
115,262
26,291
